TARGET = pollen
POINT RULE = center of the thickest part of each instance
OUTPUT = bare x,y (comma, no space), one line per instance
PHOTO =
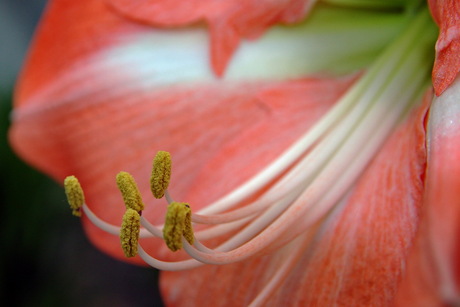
129,233
74,194
161,174
178,223
130,192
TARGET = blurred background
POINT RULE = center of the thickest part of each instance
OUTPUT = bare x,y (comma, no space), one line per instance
45,258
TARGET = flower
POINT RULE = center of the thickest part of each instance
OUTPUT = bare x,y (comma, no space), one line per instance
303,145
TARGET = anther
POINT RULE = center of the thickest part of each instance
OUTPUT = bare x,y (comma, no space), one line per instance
161,173
130,192
178,223
129,233
74,194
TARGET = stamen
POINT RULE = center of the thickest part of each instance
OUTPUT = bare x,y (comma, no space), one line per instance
115,229
130,192
295,190
407,56
74,194
129,233
178,223
166,265
161,174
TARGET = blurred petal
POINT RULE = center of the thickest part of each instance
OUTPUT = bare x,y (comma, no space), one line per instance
446,13
356,257
434,274
60,42
229,21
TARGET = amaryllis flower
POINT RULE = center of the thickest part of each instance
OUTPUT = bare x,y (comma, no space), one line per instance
319,159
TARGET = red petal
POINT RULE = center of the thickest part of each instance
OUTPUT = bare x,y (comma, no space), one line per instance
229,21
446,13
434,272
359,257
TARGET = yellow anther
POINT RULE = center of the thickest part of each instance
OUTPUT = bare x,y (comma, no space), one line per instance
74,194
161,174
129,233
178,223
130,192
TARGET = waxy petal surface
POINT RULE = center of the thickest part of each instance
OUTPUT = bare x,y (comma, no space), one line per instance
446,13
356,259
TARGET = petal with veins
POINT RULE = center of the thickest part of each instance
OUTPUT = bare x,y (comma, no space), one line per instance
358,250
99,128
116,91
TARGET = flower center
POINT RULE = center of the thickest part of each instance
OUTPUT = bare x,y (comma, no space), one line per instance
302,187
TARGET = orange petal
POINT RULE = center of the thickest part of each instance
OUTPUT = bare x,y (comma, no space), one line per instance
356,259
96,134
292,107
68,33
81,109
433,277
229,21
446,13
